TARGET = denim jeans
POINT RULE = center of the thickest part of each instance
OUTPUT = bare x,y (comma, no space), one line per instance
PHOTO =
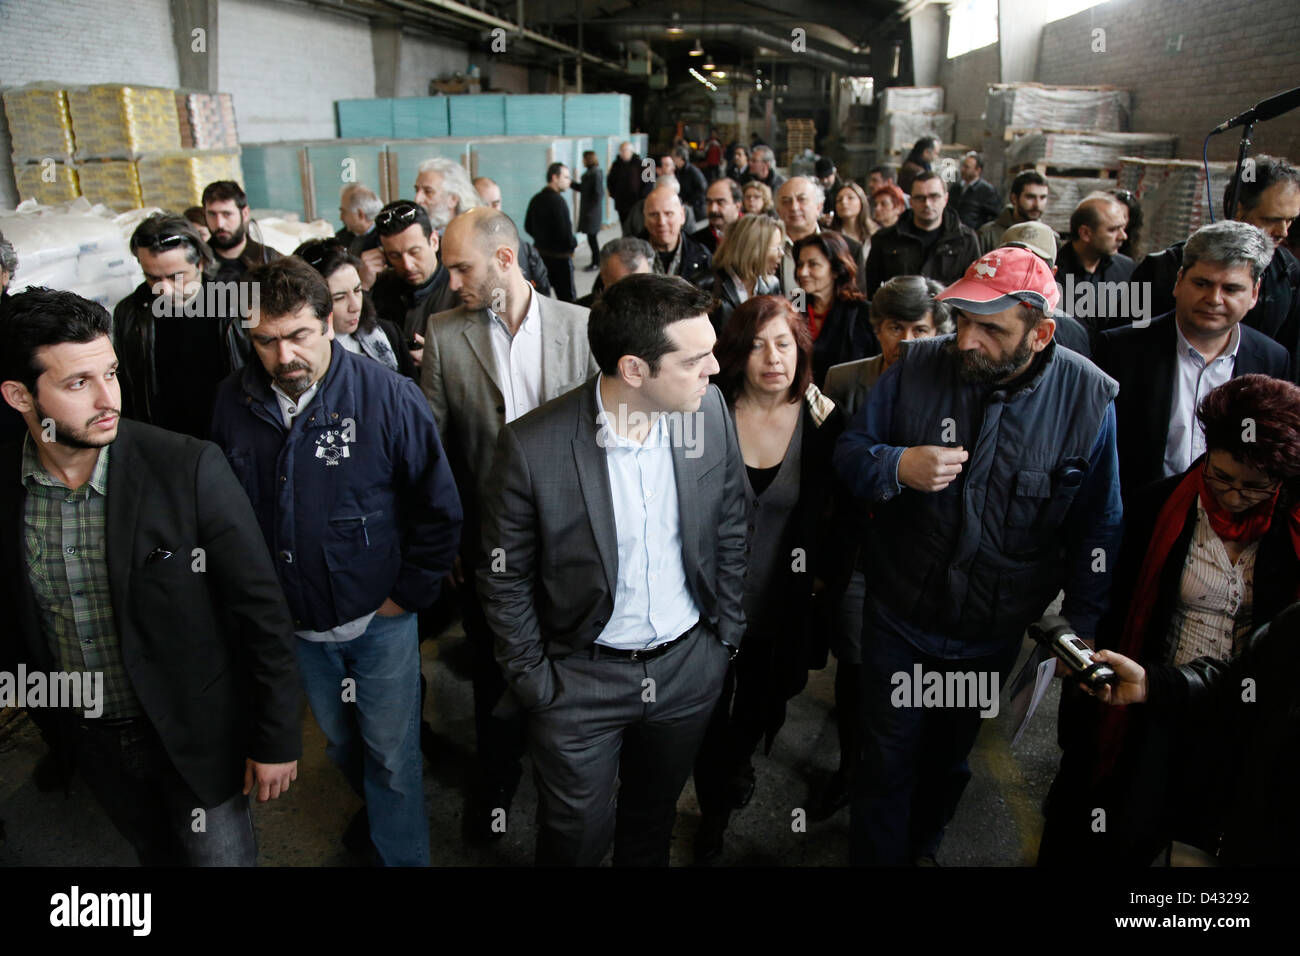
130,774
374,730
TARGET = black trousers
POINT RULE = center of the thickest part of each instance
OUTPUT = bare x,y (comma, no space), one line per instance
560,272
501,742
613,750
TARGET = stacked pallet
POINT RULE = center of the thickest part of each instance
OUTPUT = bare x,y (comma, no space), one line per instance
121,122
1011,108
175,179
1173,195
40,129
800,135
1065,193
907,113
206,120
1054,151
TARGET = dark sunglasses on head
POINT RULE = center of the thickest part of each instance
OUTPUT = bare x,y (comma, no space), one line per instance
319,251
404,213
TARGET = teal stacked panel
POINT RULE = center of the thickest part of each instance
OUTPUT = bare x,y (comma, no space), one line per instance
405,157
420,117
519,168
273,176
595,114
363,119
482,114
334,166
539,114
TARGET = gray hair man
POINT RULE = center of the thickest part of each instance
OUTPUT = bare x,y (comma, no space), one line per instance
444,189
358,207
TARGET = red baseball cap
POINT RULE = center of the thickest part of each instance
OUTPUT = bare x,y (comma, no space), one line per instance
1000,279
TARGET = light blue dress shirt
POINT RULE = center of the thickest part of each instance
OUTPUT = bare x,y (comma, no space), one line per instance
652,602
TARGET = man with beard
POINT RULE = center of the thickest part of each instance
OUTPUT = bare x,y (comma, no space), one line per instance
1027,203
530,260
177,335
445,191
341,460
226,208
989,460
130,555
723,199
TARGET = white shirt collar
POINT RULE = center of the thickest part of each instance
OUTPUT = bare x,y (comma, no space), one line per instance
532,323
1185,348
608,437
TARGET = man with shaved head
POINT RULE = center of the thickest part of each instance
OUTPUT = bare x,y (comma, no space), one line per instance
1092,256
676,254
530,260
502,352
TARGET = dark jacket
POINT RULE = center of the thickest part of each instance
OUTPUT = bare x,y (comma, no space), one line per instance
625,183
254,255
533,268
1083,296
705,237
695,262
898,251
370,510
210,655
133,340
775,664
591,209
1276,314
726,298
984,557
694,186
977,202
358,244
1145,363
549,223
550,507
846,335
773,181
395,300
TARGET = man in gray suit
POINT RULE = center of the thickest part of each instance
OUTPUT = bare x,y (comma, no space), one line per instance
501,353
615,518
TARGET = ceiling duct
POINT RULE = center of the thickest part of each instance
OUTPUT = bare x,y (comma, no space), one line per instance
742,36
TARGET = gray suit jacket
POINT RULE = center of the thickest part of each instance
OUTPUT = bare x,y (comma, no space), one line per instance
459,377
549,591
848,384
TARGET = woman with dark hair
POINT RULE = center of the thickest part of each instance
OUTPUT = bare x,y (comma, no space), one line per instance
836,309
787,430
853,219
199,218
1207,556
357,327
887,205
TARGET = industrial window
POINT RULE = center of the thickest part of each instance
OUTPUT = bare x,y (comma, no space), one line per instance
972,24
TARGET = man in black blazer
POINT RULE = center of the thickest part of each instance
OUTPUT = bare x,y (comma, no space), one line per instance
132,563
615,530
1165,368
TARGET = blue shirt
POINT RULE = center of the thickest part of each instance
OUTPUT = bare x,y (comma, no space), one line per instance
869,467
652,603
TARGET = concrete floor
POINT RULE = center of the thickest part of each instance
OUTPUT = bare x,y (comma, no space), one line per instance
998,822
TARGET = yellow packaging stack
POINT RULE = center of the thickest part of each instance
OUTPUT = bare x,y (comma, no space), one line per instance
111,121
115,183
40,125
48,183
174,180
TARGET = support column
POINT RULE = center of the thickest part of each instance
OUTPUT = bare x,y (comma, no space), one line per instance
386,50
194,34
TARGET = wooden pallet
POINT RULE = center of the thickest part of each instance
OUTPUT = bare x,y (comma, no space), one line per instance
1073,172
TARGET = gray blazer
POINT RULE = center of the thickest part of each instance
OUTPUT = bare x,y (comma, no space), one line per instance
550,589
848,384
459,377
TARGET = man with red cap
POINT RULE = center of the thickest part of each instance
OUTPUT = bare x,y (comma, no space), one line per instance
988,459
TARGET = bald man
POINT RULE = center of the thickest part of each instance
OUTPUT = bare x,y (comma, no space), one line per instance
498,355
530,260
676,254
1092,257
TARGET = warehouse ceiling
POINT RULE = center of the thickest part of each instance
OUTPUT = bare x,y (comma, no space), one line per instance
626,41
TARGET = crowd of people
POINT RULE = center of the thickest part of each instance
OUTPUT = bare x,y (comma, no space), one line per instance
893,421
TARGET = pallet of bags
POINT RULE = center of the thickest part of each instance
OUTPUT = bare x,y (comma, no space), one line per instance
1064,193
1018,107
112,121
40,124
49,183
175,179
113,182
1056,149
1173,195
899,131
911,99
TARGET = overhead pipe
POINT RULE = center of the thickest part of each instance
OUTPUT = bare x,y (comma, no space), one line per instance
739,35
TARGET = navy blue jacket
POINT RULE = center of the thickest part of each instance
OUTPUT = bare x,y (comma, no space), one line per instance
356,500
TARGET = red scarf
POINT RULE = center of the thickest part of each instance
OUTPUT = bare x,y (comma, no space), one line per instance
1245,527
816,320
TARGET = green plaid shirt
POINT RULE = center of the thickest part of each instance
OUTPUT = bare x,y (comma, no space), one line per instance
67,564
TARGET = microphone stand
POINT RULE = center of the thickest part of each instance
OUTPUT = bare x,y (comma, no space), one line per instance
1243,150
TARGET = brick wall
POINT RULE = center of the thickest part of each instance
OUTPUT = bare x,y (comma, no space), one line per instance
286,64
1233,54
81,41
424,59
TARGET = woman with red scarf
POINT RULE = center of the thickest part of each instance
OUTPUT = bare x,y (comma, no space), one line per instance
1208,555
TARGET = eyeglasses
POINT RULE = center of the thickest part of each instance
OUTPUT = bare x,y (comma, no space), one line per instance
405,213
1247,493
